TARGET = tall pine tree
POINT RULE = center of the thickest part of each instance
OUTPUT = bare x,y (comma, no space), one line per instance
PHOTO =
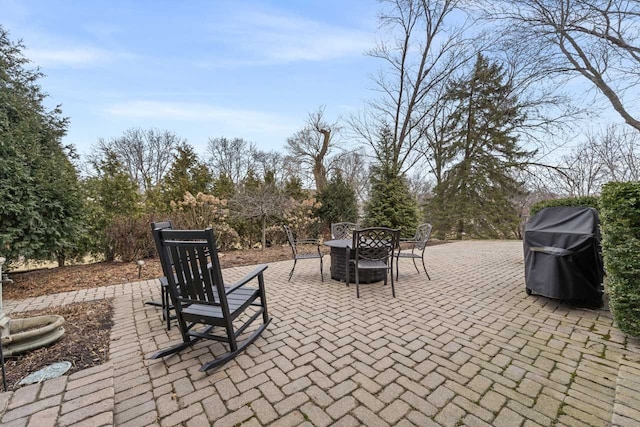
476,195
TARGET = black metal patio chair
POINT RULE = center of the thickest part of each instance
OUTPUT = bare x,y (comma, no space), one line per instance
374,249
417,245
342,230
301,254
200,296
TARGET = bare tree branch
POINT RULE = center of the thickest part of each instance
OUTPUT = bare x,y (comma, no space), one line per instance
595,39
232,157
145,154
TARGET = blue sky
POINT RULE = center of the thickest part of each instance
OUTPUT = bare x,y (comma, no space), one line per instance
250,69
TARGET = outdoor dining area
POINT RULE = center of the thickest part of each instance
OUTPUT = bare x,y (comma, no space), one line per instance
364,254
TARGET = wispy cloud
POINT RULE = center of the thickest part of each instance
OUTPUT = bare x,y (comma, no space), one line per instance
249,120
72,56
273,37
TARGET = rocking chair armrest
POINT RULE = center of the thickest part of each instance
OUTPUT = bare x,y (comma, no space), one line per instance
255,273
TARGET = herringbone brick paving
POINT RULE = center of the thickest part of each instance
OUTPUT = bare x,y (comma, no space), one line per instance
468,347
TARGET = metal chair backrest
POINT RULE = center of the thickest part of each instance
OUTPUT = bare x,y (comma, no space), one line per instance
375,243
196,271
290,239
342,230
423,232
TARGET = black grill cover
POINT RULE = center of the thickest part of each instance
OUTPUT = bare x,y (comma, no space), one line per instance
562,257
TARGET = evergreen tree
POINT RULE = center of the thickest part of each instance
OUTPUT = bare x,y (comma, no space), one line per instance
338,201
476,194
111,193
41,208
390,202
293,188
223,187
187,173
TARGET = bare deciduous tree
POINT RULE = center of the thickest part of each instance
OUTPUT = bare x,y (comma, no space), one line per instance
425,46
619,152
231,157
354,169
612,154
312,145
260,203
595,39
145,154
583,172
274,162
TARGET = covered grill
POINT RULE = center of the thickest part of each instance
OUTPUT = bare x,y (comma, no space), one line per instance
562,254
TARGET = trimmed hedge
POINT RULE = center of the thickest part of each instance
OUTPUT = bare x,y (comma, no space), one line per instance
586,201
620,212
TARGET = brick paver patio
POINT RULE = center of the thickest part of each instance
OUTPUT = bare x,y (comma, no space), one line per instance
468,347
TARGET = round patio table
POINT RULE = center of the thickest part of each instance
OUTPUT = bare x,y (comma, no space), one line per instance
340,250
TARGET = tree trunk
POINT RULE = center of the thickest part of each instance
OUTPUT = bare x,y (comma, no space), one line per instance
264,232
320,175
319,171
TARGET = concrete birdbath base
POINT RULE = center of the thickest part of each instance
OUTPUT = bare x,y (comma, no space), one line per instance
32,333
20,335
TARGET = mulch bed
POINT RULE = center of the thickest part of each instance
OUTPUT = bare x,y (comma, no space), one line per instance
48,281
85,342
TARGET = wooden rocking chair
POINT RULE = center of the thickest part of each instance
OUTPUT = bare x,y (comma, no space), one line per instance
166,305
200,297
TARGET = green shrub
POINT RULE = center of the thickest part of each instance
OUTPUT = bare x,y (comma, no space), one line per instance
620,213
587,201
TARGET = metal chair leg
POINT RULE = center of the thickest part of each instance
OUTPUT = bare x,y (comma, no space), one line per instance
425,269
292,268
393,289
415,265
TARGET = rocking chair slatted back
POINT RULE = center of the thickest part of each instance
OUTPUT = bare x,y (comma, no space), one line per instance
197,270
